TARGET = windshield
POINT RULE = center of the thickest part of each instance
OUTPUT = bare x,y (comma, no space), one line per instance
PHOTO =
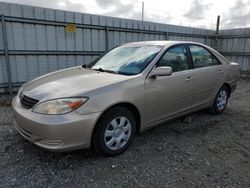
127,60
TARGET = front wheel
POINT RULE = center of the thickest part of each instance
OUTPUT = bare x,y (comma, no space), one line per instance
114,131
220,101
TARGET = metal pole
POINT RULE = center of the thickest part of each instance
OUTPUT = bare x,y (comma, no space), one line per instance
107,38
142,12
217,32
142,19
6,52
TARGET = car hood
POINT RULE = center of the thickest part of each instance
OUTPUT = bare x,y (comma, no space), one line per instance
70,82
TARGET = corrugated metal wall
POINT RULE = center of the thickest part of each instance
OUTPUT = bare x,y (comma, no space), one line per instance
235,45
37,42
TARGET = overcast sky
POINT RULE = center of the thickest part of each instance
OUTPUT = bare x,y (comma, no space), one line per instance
195,13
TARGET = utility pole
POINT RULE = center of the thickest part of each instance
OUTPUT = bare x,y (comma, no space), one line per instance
217,32
142,19
142,11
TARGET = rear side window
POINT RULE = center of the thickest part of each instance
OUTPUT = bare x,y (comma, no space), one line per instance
202,57
175,57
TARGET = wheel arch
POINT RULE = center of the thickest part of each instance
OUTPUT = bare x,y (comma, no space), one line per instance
229,88
127,105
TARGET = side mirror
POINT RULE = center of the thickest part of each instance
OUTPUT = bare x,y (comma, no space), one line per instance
161,71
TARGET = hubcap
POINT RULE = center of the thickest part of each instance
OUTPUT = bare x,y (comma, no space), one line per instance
222,100
117,133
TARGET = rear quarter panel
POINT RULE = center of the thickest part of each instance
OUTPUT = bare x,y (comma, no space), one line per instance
232,70
232,74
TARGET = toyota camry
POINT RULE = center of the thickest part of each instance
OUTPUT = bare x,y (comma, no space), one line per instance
129,89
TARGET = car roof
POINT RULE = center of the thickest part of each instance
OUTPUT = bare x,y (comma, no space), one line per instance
160,42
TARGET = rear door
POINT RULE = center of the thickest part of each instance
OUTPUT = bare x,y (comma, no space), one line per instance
208,75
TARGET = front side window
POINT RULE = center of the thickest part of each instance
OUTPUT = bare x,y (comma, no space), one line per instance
175,57
202,57
127,60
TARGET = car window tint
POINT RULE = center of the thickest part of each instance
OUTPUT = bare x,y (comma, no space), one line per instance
202,57
175,57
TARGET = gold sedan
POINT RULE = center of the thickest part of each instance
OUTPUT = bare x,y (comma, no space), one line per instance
129,89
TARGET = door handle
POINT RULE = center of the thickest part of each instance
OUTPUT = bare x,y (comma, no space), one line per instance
189,78
220,71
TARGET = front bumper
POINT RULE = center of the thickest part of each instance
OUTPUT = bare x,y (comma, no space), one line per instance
55,132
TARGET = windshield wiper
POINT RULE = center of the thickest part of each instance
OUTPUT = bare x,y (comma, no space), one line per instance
103,70
86,66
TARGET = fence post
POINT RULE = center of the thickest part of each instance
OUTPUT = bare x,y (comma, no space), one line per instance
206,39
166,35
107,38
6,53
217,32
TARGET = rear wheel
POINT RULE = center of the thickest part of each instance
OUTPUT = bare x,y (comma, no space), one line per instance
220,101
114,131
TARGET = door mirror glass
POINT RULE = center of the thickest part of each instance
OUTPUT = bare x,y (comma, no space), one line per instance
161,71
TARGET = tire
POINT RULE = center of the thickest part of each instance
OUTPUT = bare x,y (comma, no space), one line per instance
220,101
114,131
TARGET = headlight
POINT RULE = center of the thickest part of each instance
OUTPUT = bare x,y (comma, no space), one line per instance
59,106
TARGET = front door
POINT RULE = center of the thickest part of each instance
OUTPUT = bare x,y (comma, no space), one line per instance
166,96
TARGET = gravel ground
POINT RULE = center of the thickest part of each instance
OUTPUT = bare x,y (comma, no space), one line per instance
202,151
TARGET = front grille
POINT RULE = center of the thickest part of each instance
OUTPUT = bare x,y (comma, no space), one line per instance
28,102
